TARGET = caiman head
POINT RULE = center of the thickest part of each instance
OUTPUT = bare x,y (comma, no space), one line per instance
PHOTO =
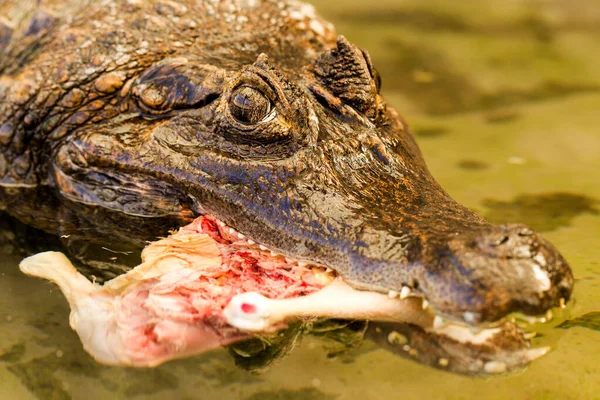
308,160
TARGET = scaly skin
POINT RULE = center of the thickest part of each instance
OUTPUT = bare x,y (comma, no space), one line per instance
138,106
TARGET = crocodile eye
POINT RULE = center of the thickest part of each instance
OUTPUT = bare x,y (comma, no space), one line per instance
151,97
249,105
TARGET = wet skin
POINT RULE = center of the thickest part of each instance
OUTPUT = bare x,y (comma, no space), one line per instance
275,127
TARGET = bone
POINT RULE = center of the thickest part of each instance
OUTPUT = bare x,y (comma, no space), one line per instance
253,312
91,311
57,268
109,330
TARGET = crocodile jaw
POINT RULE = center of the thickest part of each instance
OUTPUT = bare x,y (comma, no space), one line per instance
193,292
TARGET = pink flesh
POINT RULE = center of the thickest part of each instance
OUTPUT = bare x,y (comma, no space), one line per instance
184,308
172,304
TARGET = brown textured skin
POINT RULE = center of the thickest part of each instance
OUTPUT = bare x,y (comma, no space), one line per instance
127,105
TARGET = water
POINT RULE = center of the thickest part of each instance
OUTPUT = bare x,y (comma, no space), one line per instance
503,97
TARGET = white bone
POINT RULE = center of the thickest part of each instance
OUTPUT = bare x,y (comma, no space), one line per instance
91,312
253,312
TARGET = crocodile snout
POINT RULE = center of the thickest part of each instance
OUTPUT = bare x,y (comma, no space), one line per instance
519,242
489,273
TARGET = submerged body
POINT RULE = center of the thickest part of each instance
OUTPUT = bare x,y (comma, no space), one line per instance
253,113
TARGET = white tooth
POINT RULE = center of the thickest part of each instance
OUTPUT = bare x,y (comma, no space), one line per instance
405,292
494,367
392,294
221,223
328,270
529,335
443,362
251,242
274,254
425,304
469,317
240,236
396,338
562,302
438,322
231,231
302,263
532,354
260,246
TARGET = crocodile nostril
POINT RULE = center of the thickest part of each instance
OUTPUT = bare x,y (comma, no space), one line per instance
508,241
565,286
526,232
500,241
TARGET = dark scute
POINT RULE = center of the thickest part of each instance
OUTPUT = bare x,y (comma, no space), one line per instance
348,73
5,35
40,23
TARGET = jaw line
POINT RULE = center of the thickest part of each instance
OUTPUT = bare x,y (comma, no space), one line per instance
460,329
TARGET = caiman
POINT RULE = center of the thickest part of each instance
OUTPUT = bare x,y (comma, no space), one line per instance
255,115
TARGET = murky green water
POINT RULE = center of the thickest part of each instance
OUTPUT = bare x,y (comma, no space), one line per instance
504,96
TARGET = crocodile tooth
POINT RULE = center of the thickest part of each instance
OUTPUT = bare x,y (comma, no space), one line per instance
494,367
425,304
392,294
274,254
251,242
469,317
532,354
529,335
260,246
405,292
221,223
302,263
232,231
438,322
240,236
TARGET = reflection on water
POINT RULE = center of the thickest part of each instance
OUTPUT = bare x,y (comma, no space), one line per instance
503,98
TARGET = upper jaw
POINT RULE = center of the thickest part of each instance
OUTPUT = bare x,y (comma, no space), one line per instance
467,285
505,269
462,344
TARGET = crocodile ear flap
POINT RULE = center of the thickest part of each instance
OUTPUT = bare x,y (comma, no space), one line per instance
348,73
